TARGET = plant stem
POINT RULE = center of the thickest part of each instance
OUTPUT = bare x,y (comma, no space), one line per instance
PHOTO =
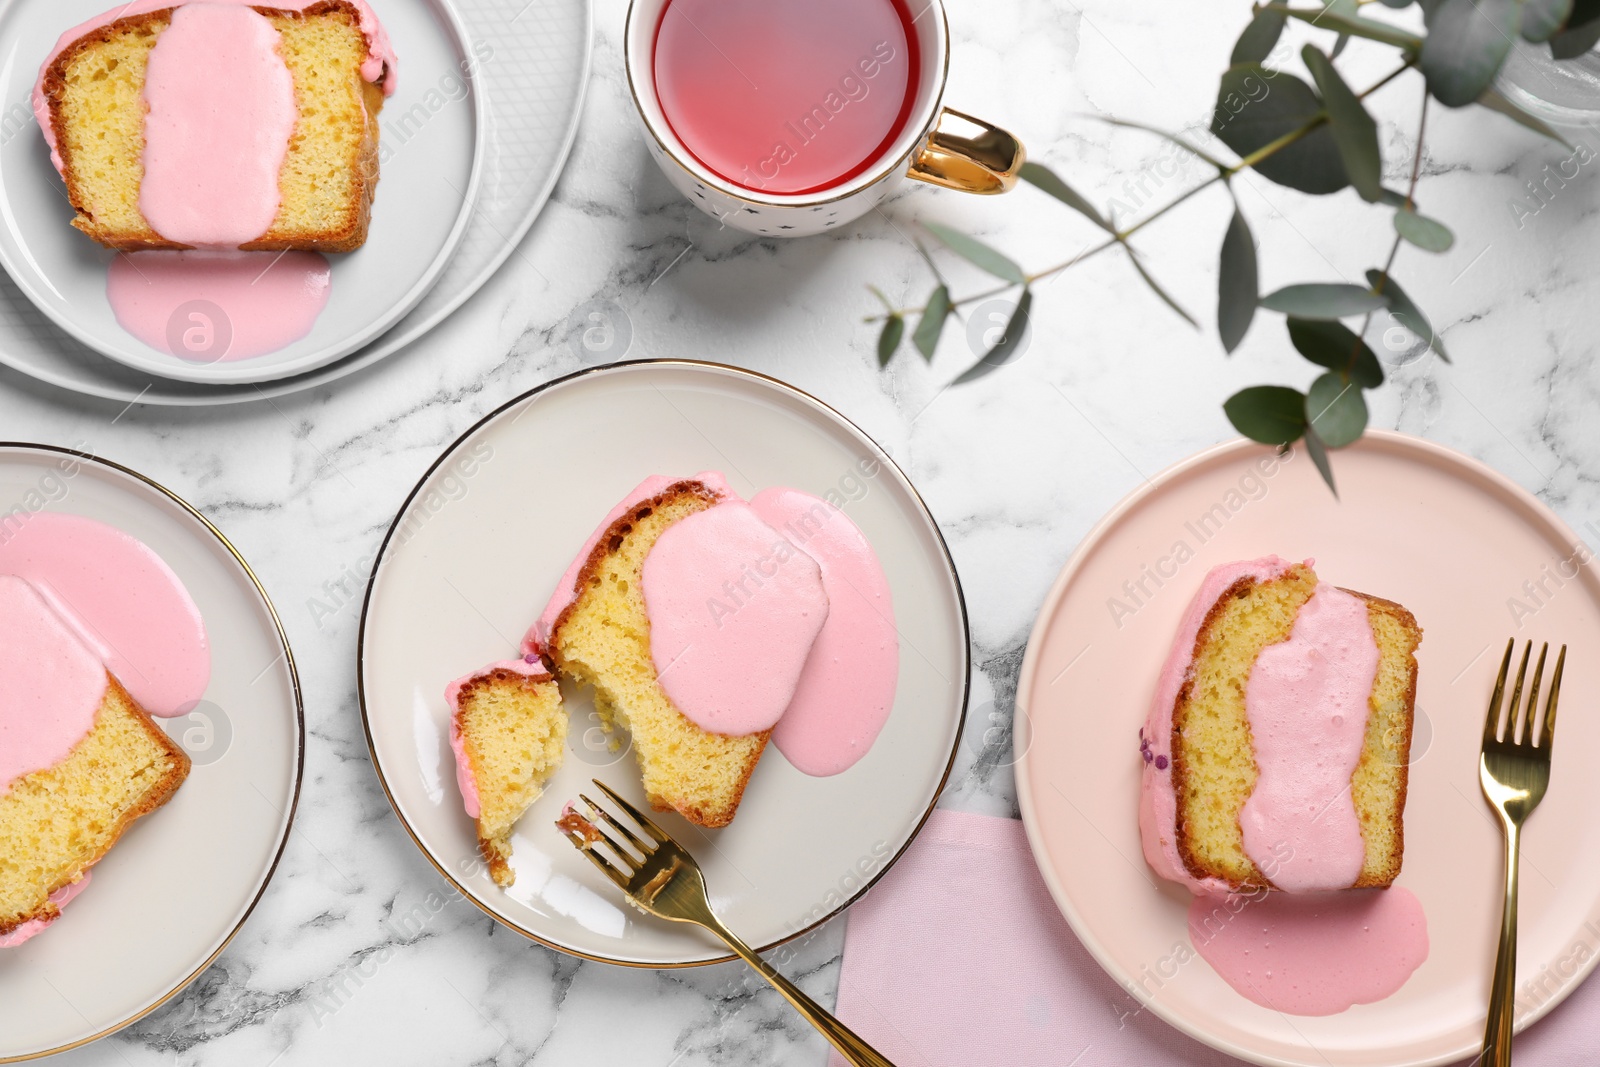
1394,249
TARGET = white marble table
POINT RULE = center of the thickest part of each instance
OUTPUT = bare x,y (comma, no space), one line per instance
1016,468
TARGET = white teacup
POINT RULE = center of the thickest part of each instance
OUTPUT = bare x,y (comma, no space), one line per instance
938,145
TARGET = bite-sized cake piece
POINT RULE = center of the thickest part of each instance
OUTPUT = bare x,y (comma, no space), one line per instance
1276,749
220,125
508,731
80,760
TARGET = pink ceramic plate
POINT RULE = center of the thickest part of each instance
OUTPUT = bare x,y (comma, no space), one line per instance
1477,559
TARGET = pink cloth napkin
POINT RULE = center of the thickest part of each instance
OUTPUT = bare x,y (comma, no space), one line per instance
959,958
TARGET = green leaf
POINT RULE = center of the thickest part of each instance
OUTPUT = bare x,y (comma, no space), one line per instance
1336,410
1319,456
977,253
1339,44
1427,234
1155,287
1397,4
889,340
926,337
1256,107
1042,177
1335,346
1542,18
1407,314
1259,38
1494,100
1270,414
1238,287
1007,348
1467,43
1323,300
1574,42
1353,129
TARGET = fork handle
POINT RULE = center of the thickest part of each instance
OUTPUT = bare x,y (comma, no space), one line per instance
1502,994
855,1051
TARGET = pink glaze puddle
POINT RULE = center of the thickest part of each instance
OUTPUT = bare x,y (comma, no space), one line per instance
34,927
529,666
122,599
1315,954
213,307
846,690
734,610
212,157
1308,701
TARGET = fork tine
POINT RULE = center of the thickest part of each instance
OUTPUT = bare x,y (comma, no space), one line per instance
1550,703
1514,709
633,839
638,816
1491,726
616,876
624,857
1531,715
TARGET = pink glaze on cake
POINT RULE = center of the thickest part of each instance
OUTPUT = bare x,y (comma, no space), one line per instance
529,667
123,601
51,684
566,589
1158,799
212,154
380,67
217,307
34,927
846,690
1314,954
1308,699
734,610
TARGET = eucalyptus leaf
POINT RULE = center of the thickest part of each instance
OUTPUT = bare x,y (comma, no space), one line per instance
1572,43
1238,287
1494,100
1583,13
1338,45
1542,18
1335,346
894,328
1319,456
1007,348
1467,43
1259,38
1155,287
1406,312
1336,410
1427,234
926,337
1392,198
977,253
1256,107
1353,129
1323,300
1270,414
1397,4
1042,177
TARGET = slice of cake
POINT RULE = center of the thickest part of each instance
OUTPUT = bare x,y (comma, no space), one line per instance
161,148
1276,750
508,731
79,762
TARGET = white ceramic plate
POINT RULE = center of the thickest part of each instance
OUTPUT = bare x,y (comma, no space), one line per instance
177,887
1417,523
431,169
532,89
477,550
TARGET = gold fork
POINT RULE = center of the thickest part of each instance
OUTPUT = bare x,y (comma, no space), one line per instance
665,881
1514,773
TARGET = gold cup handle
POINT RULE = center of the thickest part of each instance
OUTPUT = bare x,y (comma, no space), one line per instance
970,155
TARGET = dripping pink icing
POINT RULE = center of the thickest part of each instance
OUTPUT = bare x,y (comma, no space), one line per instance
34,927
1314,954
380,67
51,684
734,609
212,157
566,589
847,689
213,307
1158,802
1308,702
465,779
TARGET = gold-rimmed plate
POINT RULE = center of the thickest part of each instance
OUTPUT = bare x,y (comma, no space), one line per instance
168,898
477,549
